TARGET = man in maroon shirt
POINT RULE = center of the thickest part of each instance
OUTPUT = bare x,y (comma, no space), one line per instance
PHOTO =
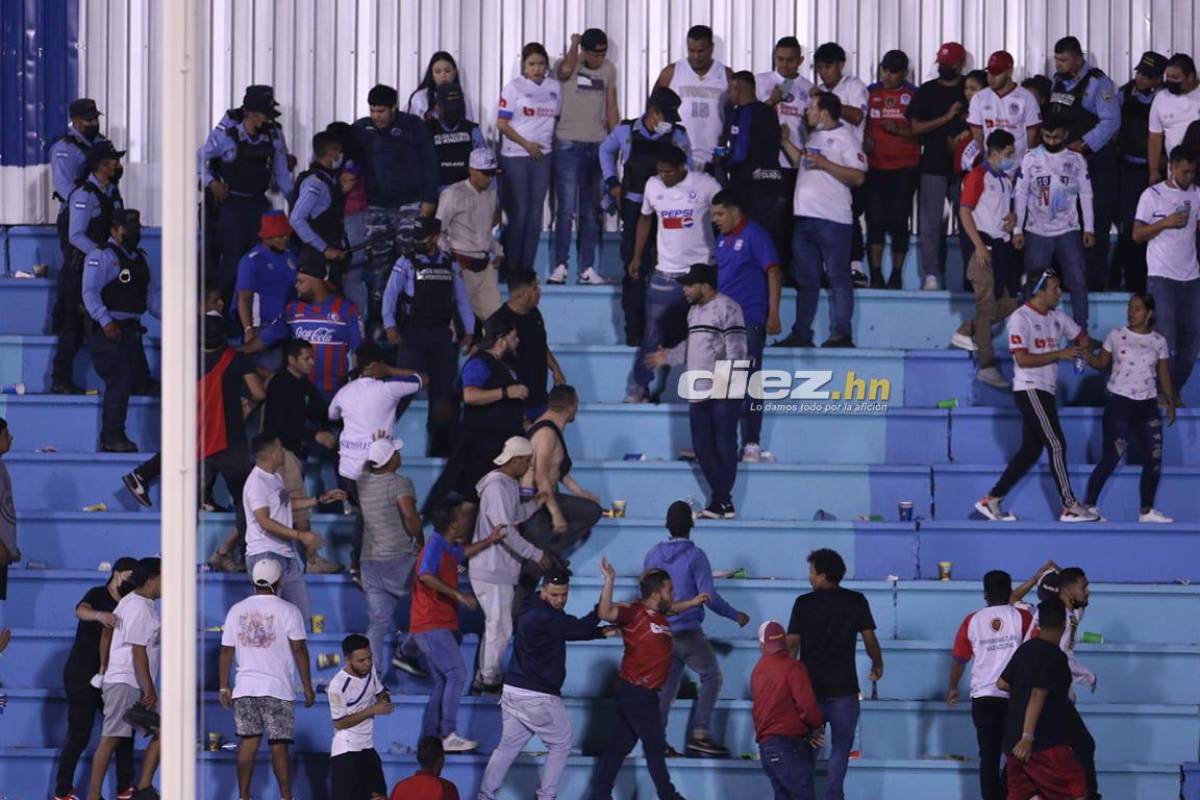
788,724
427,783
644,668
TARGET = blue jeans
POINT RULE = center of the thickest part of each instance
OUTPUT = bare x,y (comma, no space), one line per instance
665,304
292,587
448,672
1177,317
691,648
637,718
386,583
842,715
819,245
791,764
752,415
577,193
522,194
1065,253
714,438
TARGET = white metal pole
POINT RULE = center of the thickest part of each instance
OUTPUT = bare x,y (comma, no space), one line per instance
177,123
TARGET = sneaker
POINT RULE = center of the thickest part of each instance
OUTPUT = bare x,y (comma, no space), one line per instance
859,278
671,752
1078,513
1154,515
877,281
65,388
963,342
225,562
120,445
126,794
715,510
752,454
727,511
589,277
838,341
138,488
457,744
993,377
409,665
989,507
705,747
558,276
319,565
792,340
72,796
211,506
930,284
149,793
637,394
1096,510
895,280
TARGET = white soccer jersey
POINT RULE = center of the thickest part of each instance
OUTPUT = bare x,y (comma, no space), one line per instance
818,194
1016,112
685,233
349,694
703,107
1051,189
989,637
366,406
988,193
532,109
853,93
794,100
1170,115
1035,332
1172,253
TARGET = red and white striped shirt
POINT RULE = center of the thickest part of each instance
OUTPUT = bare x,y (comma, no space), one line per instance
990,636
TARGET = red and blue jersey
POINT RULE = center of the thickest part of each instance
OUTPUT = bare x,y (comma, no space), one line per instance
335,330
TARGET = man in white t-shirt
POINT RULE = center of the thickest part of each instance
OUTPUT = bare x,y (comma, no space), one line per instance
269,531
1039,336
266,634
989,637
356,697
1172,111
1004,105
680,200
1168,217
831,162
701,82
129,680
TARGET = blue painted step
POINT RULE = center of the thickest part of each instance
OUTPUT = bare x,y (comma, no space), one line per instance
28,303
28,245
73,423
26,359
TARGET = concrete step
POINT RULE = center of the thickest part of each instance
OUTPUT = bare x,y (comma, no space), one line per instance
69,423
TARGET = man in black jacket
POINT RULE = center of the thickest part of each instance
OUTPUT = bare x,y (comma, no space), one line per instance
748,159
532,699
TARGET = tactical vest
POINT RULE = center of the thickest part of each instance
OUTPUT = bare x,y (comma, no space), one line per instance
330,224
432,302
644,152
505,417
250,171
127,292
1134,136
453,149
1069,104
99,228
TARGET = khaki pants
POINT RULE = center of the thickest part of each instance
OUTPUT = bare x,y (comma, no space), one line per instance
484,290
988,311
293,481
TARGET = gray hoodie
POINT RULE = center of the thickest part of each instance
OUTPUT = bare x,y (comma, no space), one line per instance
500,504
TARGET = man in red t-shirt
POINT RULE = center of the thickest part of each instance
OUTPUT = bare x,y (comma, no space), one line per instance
892,157
644,668
433,620
427,783
788,724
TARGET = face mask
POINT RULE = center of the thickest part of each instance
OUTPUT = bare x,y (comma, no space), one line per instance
452,117
947,73
339,161
91,131
663,127
1054,148
1174,87
133,236
1008,164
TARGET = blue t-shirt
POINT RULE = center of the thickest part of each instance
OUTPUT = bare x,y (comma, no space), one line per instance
743,258
271,276
475,372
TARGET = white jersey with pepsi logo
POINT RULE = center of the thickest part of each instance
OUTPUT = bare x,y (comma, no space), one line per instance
702,108
685,233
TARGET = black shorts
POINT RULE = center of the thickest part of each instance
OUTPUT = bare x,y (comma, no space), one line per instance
357,776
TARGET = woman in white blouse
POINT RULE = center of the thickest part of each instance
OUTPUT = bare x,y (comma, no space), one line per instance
442,69
529,110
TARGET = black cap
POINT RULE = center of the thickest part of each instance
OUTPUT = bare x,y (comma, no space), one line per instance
100,151
382,95
593,38
84,108
894,61
700,273
127,216
667,103
497,327
426,226
450,95
312,264
261,97
1152,65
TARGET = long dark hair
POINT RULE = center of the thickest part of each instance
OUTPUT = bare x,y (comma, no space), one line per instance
427,85
1148,301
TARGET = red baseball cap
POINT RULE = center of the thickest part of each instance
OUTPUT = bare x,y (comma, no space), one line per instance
951,53
1000,61
272,224
772,636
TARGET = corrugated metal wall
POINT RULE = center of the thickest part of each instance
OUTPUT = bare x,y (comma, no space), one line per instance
323,55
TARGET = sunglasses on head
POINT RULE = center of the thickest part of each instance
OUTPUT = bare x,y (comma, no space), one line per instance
1046,275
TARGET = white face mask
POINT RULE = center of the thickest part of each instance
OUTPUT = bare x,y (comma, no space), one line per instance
663,127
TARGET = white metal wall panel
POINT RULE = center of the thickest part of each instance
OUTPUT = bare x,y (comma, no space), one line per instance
323,55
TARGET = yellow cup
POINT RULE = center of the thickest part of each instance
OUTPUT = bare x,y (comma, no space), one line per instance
618,508
944,568
318,623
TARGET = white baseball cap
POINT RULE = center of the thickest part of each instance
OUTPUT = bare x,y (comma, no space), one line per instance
382,450
515,447
267,572
484,160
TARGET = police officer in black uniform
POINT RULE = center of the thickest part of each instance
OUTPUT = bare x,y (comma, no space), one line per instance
68,158
454,136
423,294
1135,98
319,207
89,222
116,293
639,143
1084,97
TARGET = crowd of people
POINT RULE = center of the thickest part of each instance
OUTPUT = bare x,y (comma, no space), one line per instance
321,323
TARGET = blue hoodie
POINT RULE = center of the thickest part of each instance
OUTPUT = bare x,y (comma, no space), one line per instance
690,574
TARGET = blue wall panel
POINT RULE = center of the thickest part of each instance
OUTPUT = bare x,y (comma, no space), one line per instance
39,68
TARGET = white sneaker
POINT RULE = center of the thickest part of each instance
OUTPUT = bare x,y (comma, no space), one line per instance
1154,515
752,454
457,744
636,395
990,508
930,284
1078,513
589,277
992,376
1096,510
963,342
558,276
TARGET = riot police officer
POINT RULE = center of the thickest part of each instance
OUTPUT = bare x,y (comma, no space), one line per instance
1083,96
319,208
423,292
68,158
454,136
116,292
239,164
1133,140
89,223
